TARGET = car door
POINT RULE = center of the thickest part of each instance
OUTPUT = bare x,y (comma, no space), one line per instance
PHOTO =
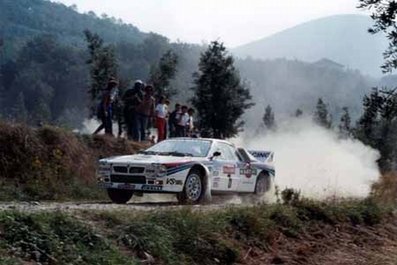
247,171
226,175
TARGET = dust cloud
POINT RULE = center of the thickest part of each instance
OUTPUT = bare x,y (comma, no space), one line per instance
314,161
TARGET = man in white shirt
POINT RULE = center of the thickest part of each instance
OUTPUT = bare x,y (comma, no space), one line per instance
182,122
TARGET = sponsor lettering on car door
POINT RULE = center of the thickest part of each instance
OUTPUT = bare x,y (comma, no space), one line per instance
227,178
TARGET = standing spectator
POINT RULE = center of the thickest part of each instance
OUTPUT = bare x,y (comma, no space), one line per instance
132,98
161,115
144,111
182,121
104,109
190,124
174,119
167,104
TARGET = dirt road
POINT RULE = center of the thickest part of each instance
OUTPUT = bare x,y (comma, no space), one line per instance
146,203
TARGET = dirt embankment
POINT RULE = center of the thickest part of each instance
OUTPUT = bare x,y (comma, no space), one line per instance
303,232
51,163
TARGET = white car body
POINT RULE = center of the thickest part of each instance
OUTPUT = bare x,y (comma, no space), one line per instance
232,170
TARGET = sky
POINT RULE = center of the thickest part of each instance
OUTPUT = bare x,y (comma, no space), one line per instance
234,22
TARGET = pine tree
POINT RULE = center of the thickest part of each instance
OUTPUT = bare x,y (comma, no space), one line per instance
368,125
298,113
18,111
345,124
220,96
321,115
268,118
162,73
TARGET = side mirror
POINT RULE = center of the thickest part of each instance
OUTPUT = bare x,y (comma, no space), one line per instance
215,154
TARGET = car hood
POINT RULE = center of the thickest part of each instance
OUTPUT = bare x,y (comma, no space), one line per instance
148,159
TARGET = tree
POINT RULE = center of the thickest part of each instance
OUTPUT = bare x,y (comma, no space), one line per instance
220,96
377,126
162,73
384,14
321,115
268,118
18,111
298,113
345,124
102,62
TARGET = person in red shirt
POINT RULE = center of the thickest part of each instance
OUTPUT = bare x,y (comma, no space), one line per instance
161,119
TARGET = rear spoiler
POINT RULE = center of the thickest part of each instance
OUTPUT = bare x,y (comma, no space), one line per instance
263,156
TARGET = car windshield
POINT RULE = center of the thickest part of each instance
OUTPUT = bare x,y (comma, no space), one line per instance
181,147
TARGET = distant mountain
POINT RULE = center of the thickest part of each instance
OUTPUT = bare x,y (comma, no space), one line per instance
342,38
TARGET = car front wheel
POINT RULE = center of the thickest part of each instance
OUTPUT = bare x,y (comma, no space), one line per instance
120,196
194,189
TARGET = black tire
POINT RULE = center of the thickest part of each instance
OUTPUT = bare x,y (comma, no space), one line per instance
261,185
194,189
120,196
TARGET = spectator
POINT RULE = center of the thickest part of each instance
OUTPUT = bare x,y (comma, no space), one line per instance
144,111
182,121
161,115
190,124
104,109
132,98
173,120
167,104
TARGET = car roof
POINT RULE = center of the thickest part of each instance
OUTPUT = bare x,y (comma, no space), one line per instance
205,139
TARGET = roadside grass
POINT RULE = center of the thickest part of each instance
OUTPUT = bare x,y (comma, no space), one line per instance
51,163
53,238
189,236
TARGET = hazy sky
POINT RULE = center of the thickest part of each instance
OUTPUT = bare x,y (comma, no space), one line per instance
233,21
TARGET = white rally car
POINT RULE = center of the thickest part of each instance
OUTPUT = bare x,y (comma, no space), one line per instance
192,168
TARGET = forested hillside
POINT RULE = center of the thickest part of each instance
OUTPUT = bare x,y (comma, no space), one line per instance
44,76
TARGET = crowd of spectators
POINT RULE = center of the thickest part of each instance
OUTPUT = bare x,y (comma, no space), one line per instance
139,109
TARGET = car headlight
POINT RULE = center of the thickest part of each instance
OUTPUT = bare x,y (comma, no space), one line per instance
160,170
104,168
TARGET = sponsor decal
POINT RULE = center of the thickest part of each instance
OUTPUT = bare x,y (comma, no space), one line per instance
215,173
152,188
217,179
173,181
229,169
105,185
248,182
215,184
126,186
248,171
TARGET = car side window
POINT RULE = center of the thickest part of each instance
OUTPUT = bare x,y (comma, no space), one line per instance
228,152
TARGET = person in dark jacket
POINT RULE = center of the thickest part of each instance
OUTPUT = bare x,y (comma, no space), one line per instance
104,110
131,99
173,120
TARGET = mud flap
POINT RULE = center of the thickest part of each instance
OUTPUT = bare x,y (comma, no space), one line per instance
207,198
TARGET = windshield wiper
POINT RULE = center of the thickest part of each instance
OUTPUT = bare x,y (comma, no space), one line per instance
148,152
175,153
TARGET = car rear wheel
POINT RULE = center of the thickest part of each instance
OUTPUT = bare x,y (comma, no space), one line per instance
120,196
193,191
261,185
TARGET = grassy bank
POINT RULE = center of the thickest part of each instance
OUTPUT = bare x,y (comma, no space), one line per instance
51,163
304,232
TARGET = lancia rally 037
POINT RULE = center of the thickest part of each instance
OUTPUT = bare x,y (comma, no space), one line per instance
192,168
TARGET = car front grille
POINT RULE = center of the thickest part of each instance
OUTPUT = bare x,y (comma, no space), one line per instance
120,169
137,170
128,179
